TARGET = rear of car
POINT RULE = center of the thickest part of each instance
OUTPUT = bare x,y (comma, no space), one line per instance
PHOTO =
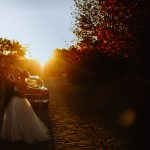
37,93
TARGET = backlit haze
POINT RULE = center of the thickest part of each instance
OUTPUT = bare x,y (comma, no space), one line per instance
42,25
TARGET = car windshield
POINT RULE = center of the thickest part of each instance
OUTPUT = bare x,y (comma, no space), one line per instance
34,83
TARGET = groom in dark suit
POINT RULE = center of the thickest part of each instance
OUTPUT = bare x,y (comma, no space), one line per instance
9,87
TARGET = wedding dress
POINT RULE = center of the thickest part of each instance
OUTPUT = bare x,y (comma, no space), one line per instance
20,122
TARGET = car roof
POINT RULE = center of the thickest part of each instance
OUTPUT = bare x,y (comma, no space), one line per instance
34,77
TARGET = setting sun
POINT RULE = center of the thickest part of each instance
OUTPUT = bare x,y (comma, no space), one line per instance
41,57
43,25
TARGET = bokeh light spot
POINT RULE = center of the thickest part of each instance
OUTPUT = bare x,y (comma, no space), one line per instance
127,118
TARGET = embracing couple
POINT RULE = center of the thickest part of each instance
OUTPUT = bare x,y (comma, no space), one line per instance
20,122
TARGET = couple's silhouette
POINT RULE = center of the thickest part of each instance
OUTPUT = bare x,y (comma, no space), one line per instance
20,123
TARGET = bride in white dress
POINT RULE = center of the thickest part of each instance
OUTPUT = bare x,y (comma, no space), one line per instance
20,123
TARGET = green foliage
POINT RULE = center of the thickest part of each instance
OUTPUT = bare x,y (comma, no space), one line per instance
8,47
11,52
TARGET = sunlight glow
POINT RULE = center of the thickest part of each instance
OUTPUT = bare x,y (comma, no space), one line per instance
41,25
43,58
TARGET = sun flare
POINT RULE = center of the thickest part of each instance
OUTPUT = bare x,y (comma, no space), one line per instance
42,58
41,62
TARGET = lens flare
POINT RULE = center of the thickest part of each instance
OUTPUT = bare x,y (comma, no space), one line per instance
43,58
127,118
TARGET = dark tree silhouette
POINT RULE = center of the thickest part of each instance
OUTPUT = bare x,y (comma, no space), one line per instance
112,26
117,28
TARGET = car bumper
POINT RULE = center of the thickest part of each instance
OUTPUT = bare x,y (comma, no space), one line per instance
40,103
38,100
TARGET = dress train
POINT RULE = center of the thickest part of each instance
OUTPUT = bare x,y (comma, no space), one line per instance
20,123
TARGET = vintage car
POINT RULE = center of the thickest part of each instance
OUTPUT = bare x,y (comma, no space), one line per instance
37,93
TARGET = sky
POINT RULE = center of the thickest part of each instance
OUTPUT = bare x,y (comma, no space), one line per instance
42,25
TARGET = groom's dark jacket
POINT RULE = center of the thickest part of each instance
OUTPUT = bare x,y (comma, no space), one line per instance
9,92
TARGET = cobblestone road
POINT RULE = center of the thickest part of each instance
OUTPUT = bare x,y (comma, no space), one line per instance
71,129
76,129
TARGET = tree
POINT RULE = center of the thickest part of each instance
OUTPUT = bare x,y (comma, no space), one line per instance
116,28
8,47
11,52
111,26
